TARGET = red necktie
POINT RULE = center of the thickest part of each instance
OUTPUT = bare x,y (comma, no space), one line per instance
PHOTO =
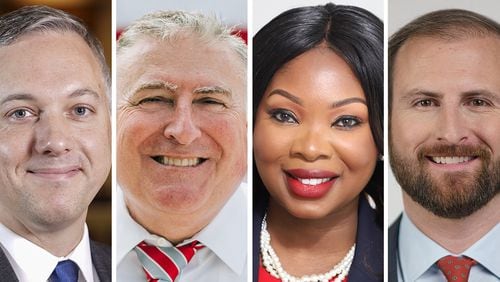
456,269
165,263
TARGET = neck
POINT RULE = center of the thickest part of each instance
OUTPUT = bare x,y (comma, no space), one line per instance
455,235
161,223
58,239
311,246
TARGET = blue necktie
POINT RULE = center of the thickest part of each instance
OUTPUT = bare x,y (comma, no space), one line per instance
66,271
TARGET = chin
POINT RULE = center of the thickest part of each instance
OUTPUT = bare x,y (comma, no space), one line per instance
308,211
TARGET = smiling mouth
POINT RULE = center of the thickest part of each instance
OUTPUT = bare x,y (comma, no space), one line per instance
311,178
313,181
451,159
178,162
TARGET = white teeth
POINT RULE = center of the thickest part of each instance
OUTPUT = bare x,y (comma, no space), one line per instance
451,160
313,181
178,162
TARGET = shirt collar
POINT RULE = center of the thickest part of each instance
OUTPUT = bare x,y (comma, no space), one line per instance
485,251
418,253
225,235
22,253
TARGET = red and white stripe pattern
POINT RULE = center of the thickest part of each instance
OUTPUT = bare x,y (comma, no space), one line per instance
165,263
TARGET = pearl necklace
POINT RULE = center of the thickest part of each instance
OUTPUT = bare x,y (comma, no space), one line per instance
272,263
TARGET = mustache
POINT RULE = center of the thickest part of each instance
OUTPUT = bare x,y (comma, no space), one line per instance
443,150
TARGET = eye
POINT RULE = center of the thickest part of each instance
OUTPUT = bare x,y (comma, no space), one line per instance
20,114
477,102
81,111
156,99
283,116
210,101
425,103
347,122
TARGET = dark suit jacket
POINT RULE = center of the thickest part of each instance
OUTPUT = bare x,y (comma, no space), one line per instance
101,259
368,263
393,250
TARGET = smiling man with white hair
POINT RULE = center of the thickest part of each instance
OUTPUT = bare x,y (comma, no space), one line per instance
181,150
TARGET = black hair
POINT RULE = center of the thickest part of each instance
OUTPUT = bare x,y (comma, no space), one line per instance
355,35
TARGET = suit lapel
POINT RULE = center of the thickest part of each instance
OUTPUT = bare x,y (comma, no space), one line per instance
368,263
6,271
101,259
393,250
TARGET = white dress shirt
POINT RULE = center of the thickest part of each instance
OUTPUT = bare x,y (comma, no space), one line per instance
224,257
31,263
418,255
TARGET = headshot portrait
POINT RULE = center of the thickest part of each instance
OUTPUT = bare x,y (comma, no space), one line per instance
55,146
318,145
181,149
444,119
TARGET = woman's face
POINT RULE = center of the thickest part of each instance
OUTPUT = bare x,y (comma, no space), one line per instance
312,140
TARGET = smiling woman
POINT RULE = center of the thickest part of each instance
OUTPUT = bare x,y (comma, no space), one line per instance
317,134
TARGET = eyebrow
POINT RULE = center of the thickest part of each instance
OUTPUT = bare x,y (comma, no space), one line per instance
287,95
299,101
419,92
83,92
347,101
169,86
212,90
482,93
17,96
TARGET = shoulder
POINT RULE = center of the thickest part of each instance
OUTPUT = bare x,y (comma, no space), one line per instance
101,259
368,263
6,271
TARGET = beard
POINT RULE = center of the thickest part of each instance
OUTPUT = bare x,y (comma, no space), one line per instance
456,194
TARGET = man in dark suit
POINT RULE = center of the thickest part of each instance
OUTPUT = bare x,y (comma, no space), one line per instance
444,69
54,146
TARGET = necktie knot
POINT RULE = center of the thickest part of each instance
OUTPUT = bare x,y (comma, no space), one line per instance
456,269
65,271
165,263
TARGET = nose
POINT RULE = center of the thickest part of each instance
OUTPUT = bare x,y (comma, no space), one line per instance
312,144
182,129
52,136
452,127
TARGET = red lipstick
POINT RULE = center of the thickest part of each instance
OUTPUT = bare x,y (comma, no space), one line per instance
312,184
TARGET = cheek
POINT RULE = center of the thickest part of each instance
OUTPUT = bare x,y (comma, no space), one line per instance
357,151
270,143
407,131
15,145
228,132
133,128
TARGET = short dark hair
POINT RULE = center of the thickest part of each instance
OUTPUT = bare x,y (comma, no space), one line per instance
450,24
39,18
354,34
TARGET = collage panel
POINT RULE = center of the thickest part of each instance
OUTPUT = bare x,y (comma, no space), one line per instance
55,141
444,101
318,141
181,200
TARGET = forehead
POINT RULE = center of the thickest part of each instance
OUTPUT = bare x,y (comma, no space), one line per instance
185,61
49,63
318,71
448,66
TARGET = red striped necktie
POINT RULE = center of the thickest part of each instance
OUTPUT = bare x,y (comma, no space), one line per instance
165,263
456,269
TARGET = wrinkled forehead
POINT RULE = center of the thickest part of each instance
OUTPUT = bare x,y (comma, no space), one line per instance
186,60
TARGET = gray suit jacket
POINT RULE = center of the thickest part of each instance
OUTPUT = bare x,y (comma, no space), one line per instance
101,259
393,250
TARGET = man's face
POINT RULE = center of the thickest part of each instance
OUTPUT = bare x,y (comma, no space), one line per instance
445,124
181,125
54,130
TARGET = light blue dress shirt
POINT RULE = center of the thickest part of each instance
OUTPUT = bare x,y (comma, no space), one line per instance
418,255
